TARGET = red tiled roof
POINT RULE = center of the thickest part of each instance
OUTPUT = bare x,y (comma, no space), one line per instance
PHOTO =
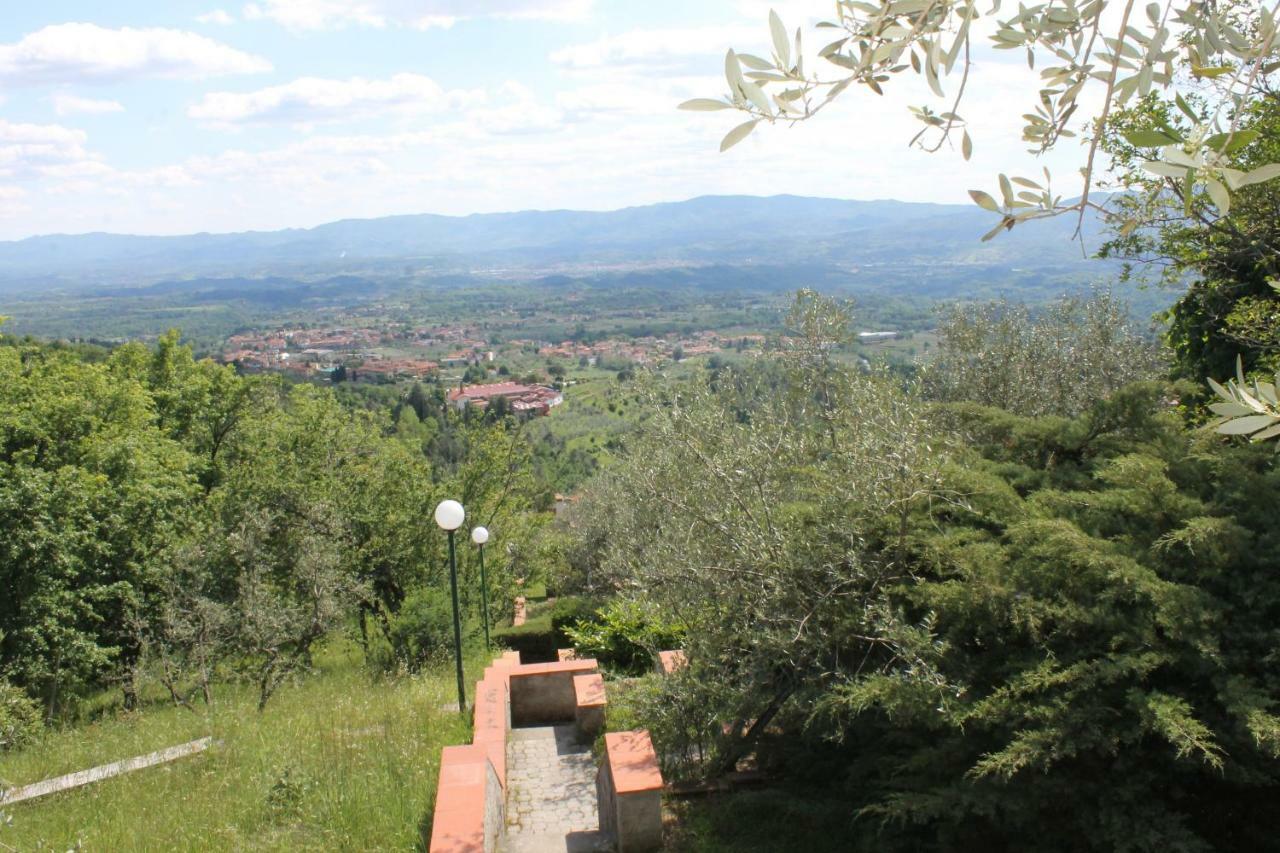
497,389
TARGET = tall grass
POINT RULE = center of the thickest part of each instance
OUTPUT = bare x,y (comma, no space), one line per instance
341,760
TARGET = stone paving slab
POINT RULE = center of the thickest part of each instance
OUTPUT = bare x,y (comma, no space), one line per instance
551,793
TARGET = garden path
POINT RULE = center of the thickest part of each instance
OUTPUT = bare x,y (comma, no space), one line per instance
551,793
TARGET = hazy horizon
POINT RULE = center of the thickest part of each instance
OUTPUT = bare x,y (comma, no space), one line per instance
511,212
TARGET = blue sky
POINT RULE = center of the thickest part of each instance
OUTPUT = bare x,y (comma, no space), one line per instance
175,117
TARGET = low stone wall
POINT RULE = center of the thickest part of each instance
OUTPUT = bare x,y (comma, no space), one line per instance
471,793
469,810
629,791
543,692
589,707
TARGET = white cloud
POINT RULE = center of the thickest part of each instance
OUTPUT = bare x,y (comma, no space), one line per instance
310,100
218,17
30,150
655,47
420,14
605,135
516,109
794,13
78,53
65,105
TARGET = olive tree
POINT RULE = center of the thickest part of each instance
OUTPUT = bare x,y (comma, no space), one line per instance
763,519
1247,408
1057,361
1103,52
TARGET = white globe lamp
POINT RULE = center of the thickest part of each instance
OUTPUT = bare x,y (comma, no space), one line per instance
450,515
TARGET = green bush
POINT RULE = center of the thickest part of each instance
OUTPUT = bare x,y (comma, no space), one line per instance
570,610
422,632
19,718
622,636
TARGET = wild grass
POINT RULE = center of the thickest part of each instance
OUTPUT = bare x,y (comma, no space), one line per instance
340,760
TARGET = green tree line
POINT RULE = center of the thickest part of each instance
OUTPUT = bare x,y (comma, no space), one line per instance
166,518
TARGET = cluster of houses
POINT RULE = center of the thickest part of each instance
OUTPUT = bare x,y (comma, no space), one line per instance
522,399
389,352
389,369
322,351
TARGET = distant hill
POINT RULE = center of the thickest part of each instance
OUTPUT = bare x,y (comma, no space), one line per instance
738,231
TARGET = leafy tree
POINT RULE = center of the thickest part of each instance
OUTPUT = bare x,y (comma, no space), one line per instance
1097,621
92,495
1230,306
987,630
163,515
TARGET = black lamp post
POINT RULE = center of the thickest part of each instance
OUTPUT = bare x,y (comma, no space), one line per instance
480,535
450,515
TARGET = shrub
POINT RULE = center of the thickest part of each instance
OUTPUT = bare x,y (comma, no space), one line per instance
19,718
534,640
284,797
423,629
622,636
569,611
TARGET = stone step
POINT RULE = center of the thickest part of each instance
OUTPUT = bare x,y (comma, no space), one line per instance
554,842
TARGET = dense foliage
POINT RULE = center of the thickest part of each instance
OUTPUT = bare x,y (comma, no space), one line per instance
1054,362
165,516
1225,263
987,629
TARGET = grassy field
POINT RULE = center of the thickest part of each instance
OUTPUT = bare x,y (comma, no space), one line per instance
341,760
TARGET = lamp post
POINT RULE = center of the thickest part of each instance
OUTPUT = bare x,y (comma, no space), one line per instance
480,535
450,515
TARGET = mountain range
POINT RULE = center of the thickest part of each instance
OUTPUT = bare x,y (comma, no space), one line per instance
892,240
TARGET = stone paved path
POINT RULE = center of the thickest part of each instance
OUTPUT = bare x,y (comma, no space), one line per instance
551,794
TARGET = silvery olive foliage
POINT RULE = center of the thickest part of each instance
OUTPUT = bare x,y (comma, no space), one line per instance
1058,361
1247,408
1103,52
760,516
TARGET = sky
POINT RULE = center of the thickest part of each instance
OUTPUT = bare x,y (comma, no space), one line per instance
140,117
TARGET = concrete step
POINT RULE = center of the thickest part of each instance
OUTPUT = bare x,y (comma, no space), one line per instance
574,842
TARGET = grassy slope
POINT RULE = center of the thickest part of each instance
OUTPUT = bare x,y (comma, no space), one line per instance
338,761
